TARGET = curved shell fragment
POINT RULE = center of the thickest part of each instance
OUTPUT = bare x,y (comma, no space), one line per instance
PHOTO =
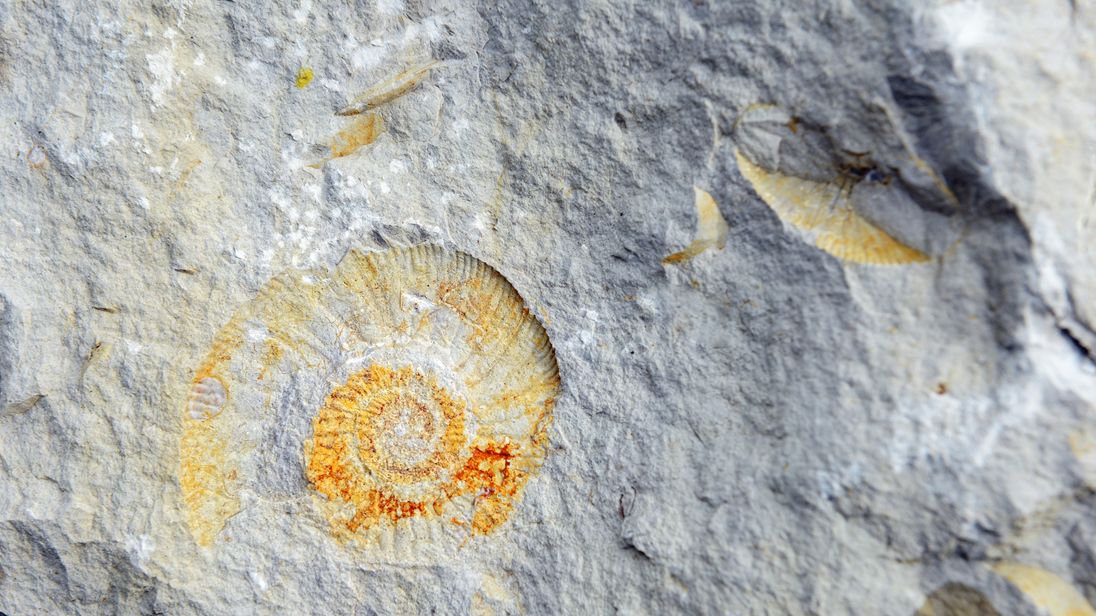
824,212
711,229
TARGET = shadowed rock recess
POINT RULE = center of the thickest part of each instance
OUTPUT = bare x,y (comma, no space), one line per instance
548,307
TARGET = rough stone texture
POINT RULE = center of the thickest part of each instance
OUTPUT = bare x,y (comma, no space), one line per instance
762,429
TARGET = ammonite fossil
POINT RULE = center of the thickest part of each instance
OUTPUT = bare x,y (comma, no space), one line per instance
409,383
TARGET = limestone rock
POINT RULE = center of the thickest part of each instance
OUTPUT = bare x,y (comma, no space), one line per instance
760,428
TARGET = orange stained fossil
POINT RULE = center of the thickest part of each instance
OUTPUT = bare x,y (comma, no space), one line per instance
405,430
441,412
361,132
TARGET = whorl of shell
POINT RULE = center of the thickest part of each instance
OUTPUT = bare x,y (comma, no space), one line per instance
425,381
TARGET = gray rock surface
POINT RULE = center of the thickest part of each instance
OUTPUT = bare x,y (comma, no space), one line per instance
762,429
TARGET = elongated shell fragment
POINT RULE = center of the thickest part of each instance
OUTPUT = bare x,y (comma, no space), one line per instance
388,89
406,387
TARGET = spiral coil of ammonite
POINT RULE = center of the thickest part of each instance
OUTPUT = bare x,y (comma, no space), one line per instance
407,384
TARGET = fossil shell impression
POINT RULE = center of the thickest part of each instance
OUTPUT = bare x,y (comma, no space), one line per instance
812,195
410,386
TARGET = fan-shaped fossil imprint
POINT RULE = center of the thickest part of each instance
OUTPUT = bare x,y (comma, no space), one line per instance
420,385
815,197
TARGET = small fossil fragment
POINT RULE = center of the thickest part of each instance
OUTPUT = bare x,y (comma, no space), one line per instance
817,199
363,131
207,396
388,89
711,229
1046,590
